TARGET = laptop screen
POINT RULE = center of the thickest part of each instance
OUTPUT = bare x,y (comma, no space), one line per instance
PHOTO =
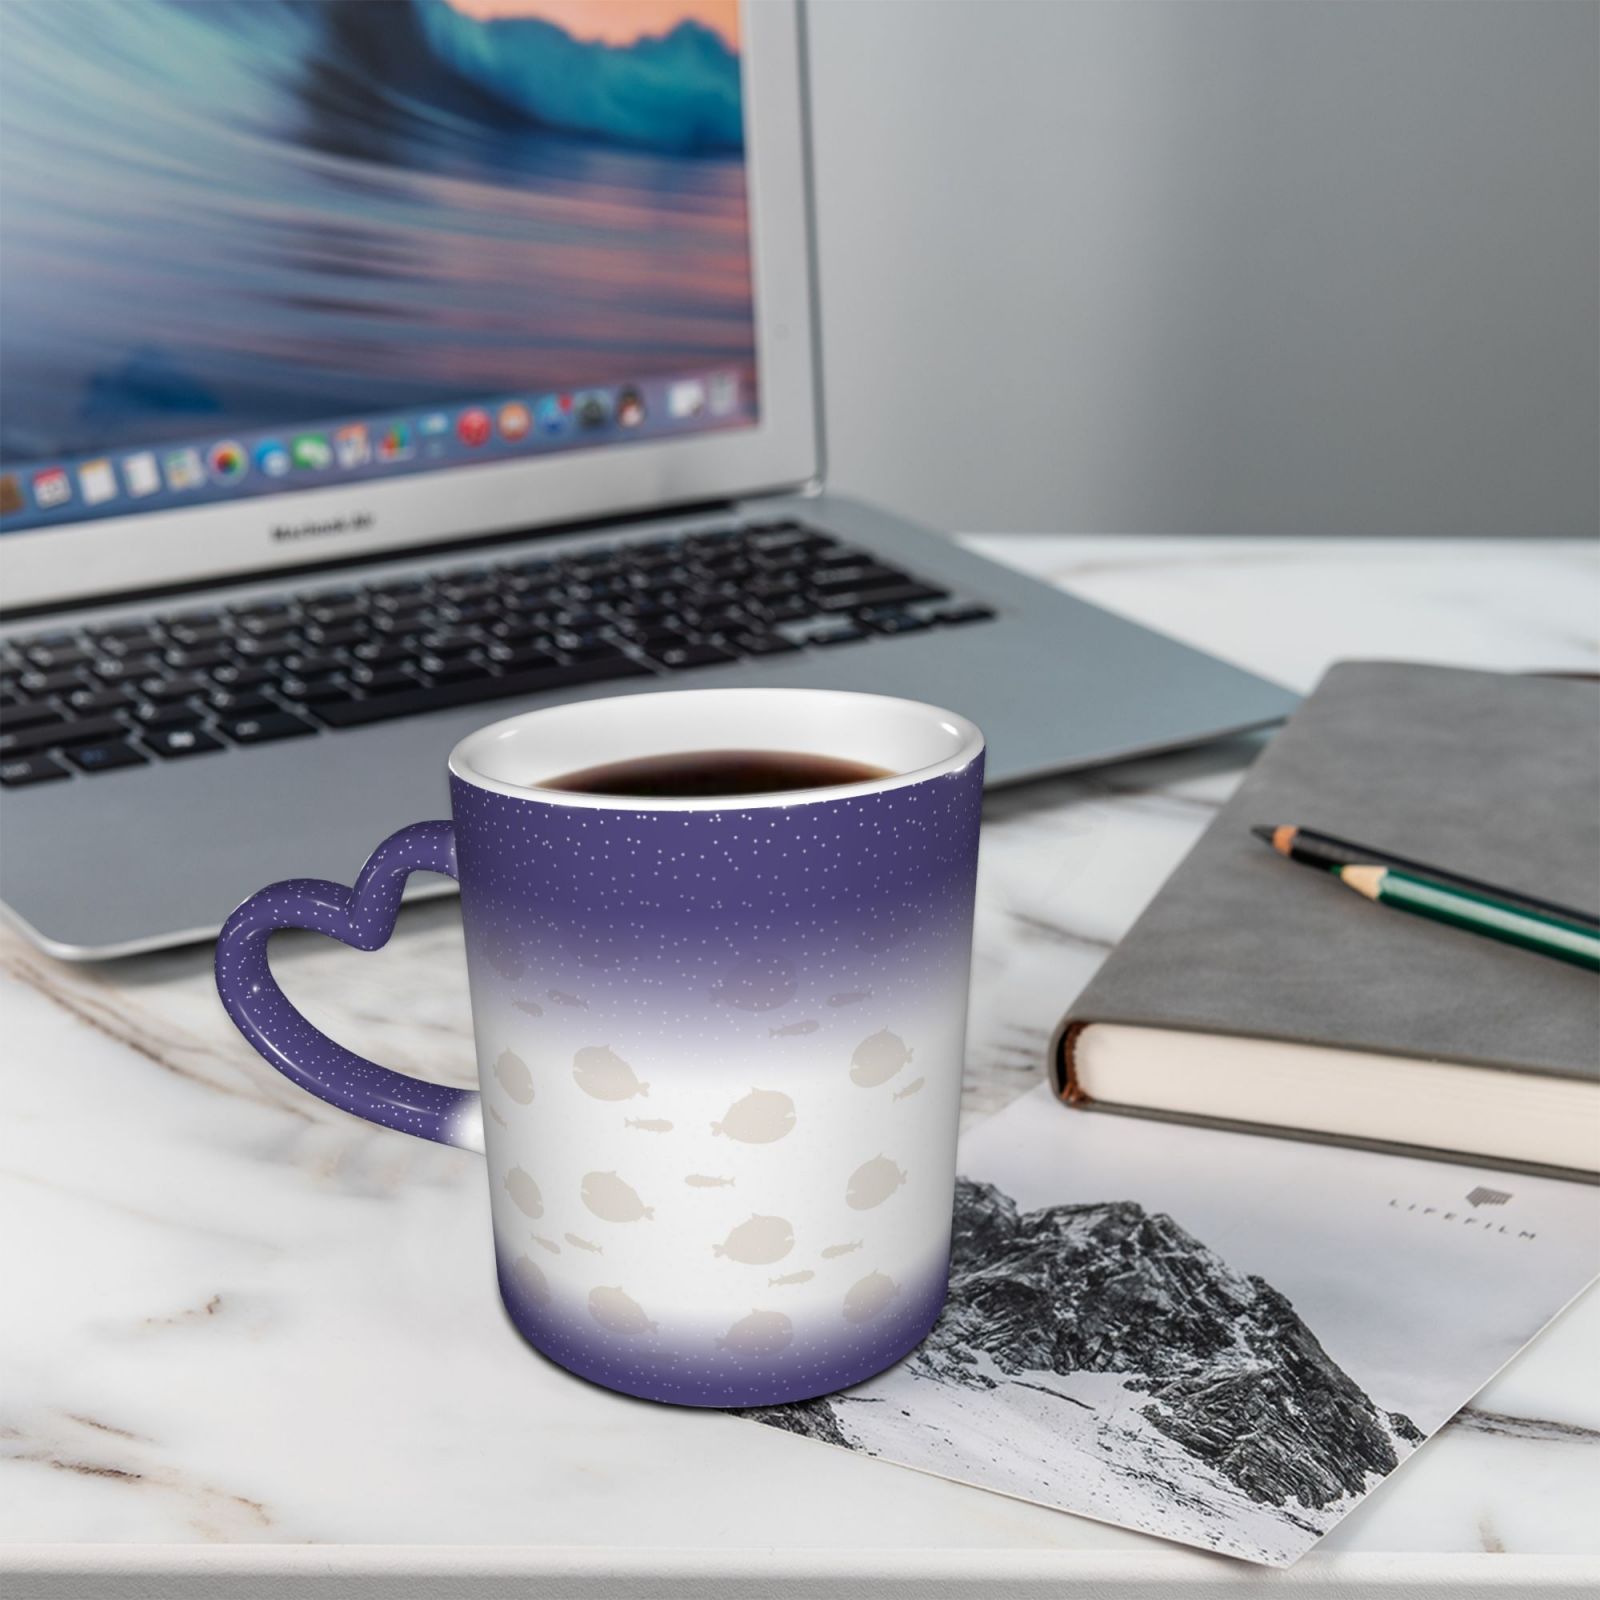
251,246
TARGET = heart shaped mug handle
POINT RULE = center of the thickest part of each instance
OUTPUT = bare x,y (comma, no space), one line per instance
364,918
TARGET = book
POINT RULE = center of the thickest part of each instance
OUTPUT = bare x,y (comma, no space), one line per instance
1257,995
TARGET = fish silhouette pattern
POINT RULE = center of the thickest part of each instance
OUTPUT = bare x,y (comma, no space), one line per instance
562,998
762,1333
530,1279
584,1244
532,1007
758,1242
877,1058
910,1089
602,1074
618,1312
794,1030
513,1075
612,1200
872,1183
762,1117
869,1297
649,1124
544,1243
835,1250
524,1193
791,1277
854,998
702,1180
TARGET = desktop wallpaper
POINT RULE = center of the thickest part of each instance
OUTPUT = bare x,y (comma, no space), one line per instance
236,215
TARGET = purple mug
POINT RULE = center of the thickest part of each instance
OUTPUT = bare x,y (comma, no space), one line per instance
719,1039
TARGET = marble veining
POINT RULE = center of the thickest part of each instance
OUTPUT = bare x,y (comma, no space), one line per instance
237,1315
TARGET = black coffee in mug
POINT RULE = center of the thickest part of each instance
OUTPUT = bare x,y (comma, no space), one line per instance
707,774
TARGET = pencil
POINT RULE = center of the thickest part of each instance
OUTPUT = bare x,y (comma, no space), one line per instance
1329,851
1475,913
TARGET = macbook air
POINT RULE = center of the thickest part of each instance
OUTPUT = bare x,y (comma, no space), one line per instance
376,369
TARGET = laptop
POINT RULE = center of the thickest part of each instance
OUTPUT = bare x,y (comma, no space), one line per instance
377,369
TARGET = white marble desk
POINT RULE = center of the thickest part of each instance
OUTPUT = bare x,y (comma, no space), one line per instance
251,1345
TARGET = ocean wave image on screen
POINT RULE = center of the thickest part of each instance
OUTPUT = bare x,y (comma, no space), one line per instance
266,212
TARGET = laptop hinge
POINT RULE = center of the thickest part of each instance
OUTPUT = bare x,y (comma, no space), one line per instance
443,548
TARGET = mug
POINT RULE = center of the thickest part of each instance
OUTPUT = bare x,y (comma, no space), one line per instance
719,1040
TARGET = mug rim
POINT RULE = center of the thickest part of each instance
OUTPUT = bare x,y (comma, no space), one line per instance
465,758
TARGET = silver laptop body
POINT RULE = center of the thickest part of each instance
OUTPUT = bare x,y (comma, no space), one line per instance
628,518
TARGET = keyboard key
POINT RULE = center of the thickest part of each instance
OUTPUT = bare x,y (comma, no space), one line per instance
153,714
93,702
262,624
260,610
30,713
201,660
106,757
788,609
172,744
328,612
824,632
55,657
470,589
456,669
305,664
522,657
445,645
960,612
381,680
334,635
237,676
444,696
468,611
240,702
677,657
857,575
23,770
129,668
126,636
313,691
87,730
44,683
180,686
894,622
270,726
383,654
193,634
762,644
890,594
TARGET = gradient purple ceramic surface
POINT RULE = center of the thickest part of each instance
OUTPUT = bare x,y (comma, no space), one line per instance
720,953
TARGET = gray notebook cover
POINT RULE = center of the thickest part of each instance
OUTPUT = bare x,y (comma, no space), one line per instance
1491,775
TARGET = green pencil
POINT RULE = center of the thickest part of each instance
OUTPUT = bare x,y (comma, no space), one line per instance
1476,913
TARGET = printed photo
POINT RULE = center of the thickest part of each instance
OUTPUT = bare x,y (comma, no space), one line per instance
1224,1340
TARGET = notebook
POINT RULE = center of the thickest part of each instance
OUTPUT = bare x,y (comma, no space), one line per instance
1262,995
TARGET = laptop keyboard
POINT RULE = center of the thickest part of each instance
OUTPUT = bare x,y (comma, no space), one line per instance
198,681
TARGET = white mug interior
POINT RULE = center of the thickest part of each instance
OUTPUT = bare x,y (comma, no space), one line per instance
909,741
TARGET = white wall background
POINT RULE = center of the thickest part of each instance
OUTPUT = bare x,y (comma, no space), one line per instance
1213,266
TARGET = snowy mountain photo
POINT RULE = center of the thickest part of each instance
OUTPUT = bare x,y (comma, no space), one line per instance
1234,1359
